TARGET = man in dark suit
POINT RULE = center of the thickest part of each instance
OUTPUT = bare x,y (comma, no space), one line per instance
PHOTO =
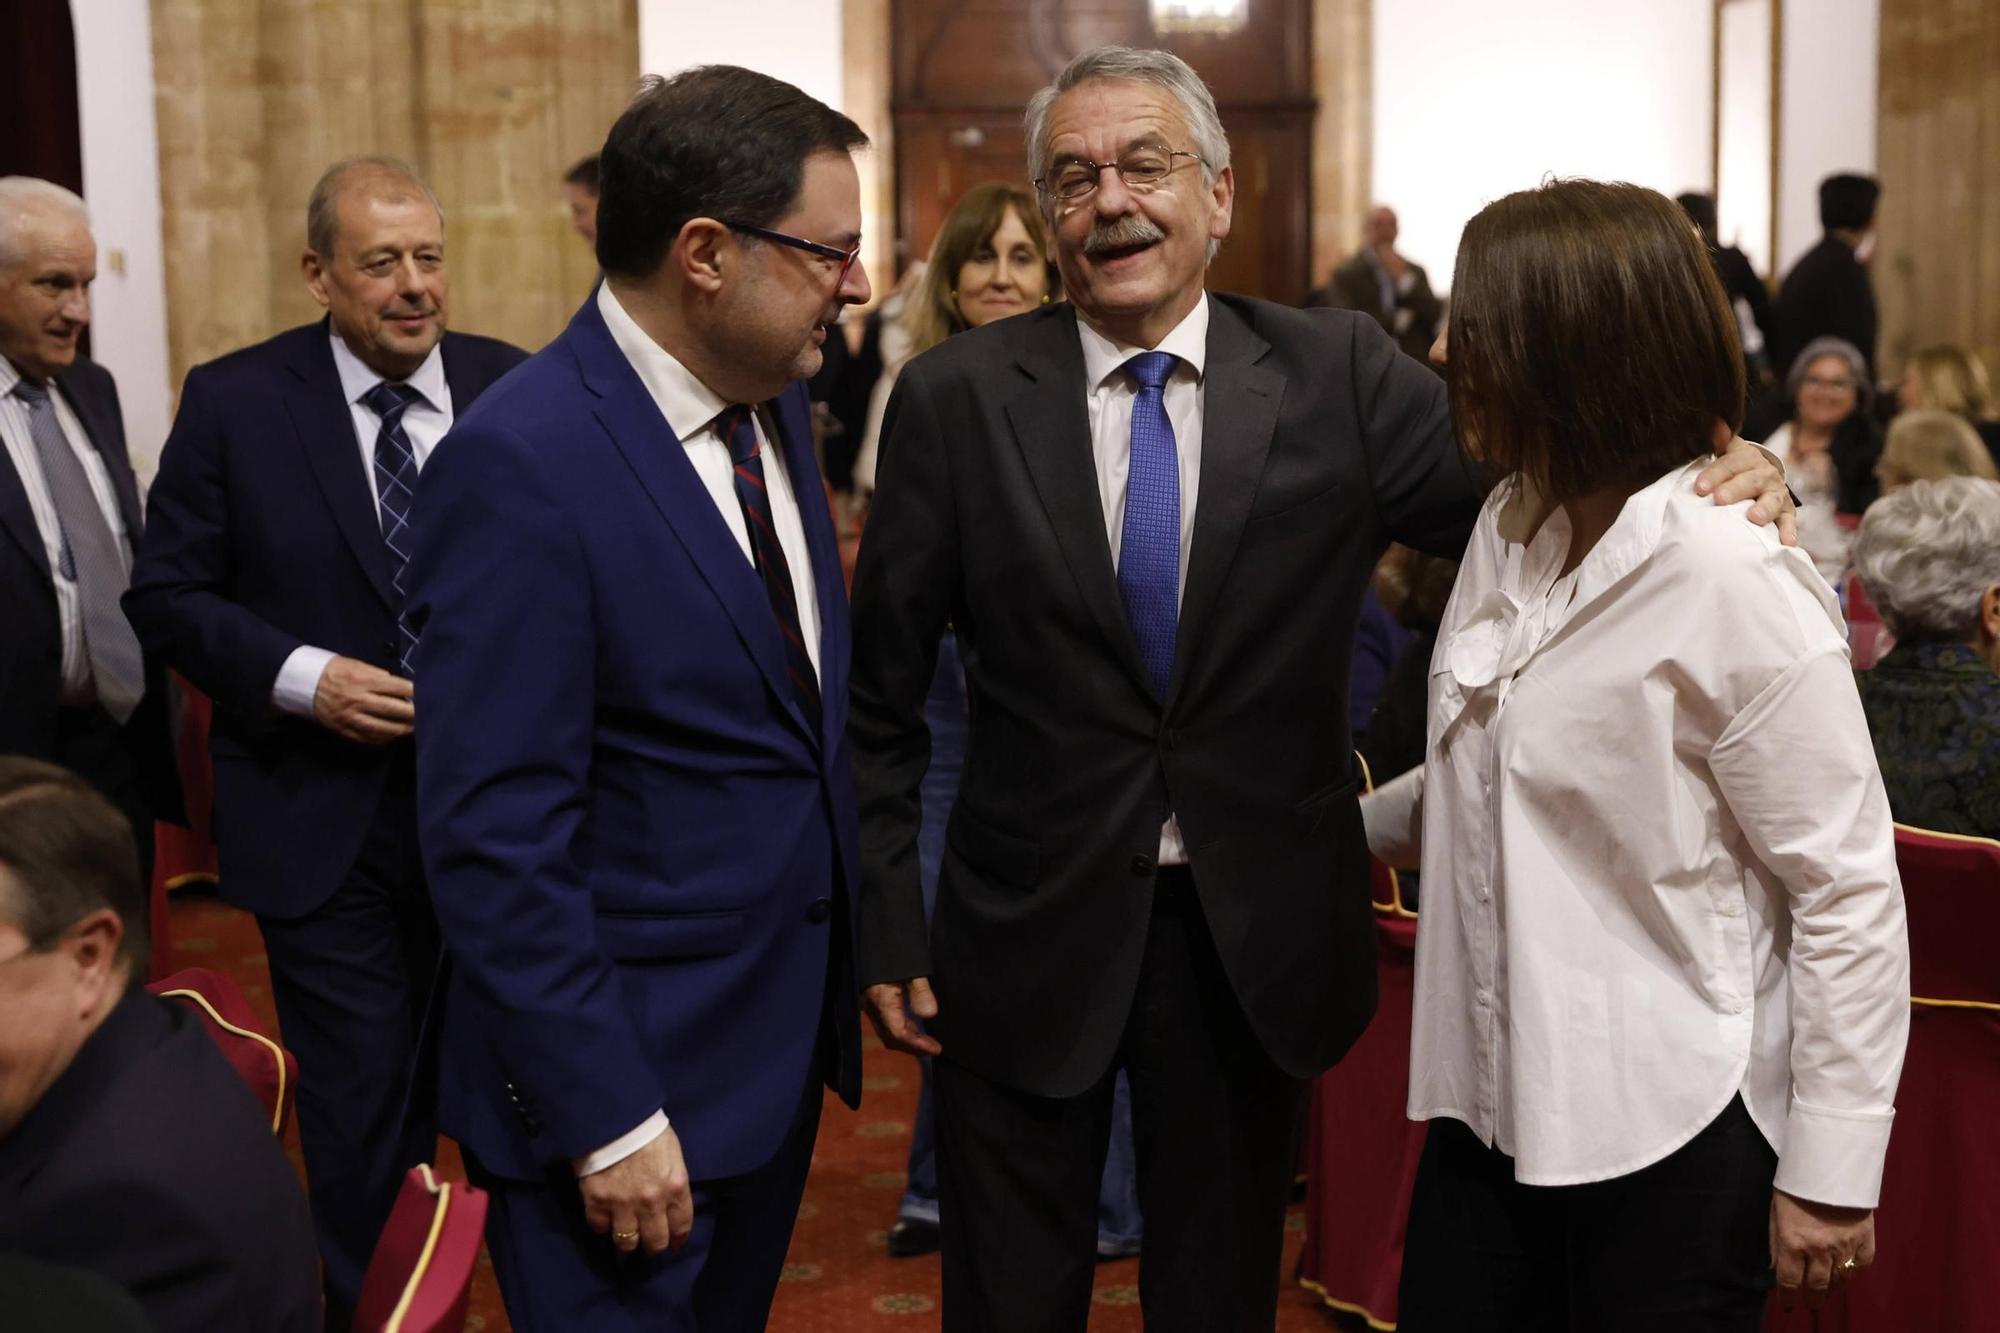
1828,293
1740,283
1149,515
271,575
128,1145
1378,281
74,687
638,815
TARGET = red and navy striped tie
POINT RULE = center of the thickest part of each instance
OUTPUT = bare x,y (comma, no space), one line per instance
738,429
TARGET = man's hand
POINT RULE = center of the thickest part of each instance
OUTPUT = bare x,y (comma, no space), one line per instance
892,1019
1814,1245
643,1200
364,703
1745,471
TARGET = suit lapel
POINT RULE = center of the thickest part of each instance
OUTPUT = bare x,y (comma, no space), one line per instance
17,518
1239,413
1052,427
324,426
656,456
790,411
107,436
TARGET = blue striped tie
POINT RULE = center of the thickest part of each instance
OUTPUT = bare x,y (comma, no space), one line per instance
1149,551
739,430
395,488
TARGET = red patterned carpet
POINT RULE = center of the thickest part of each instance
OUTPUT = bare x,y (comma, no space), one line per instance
840,1278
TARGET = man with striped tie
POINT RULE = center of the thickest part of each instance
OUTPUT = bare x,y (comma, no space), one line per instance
272,576
74,686
637,814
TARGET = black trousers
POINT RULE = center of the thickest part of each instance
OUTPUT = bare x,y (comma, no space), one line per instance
1681,1246
352,980
1212,1121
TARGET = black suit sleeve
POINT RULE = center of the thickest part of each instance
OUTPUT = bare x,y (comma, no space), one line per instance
904,587
1425,492
178,602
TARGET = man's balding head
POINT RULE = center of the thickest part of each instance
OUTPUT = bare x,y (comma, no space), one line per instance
1381,228
369,177
48,260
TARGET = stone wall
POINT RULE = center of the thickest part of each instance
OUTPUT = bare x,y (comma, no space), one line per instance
490,99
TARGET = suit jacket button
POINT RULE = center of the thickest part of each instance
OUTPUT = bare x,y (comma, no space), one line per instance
821,909
1142,864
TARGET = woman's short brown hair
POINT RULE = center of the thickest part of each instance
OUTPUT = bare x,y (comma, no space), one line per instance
1591,344
932,314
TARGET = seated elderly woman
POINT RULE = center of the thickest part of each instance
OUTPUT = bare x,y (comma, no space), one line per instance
1929,444
1829,446
1929,556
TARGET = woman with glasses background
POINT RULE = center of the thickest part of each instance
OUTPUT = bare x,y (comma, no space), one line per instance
1829,446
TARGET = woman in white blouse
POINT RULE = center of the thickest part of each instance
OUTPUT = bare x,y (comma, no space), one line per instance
1662,978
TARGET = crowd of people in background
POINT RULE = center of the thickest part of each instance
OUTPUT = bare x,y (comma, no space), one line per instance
677,823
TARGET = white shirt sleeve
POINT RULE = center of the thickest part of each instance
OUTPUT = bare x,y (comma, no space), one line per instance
1798,770
298,680
616,1151
1393,815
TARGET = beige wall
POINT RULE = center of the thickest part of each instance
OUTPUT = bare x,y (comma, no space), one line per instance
491,101
1344,130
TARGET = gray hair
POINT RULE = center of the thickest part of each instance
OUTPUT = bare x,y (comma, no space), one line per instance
323,209
20,193
1928,552
1163,69
1857,366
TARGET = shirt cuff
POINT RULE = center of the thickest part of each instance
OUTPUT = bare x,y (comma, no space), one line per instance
298,680
616,1151
1834,1157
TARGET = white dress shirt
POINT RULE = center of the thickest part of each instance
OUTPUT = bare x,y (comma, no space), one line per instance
1111,395
77,685
690,409
1658,863
424,421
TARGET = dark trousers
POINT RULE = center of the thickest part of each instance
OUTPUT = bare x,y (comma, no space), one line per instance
1212,1131
352,979
1680,1246
96,748
557,1275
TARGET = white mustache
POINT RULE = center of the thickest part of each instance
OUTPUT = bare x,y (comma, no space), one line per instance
1122,234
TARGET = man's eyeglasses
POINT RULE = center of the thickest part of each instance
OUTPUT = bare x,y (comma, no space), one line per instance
1141,169
845,258
1834,382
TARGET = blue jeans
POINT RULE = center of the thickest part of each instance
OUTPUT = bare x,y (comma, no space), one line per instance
1118,1222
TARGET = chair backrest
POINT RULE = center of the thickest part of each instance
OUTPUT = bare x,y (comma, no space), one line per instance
1951,885
271,1071
420,1276
1385,886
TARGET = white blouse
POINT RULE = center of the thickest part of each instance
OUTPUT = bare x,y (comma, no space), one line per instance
1658,862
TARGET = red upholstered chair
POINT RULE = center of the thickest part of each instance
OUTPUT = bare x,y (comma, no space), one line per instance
1868,639
184,855
1361,1147
421,1274
1937,1230
271,1071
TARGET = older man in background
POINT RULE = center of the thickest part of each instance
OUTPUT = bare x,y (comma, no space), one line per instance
128,1145
75,688
1379,282
271,575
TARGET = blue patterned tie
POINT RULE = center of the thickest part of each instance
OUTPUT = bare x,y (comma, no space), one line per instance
739,430
395,488
1149,551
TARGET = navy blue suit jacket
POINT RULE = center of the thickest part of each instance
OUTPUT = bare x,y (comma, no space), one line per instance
148,1160
261,536
31,640
640,853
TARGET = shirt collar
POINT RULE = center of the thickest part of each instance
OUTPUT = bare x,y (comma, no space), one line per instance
9,377
357,379
686,403
1188,340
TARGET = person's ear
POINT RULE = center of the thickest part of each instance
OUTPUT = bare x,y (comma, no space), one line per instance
92,949
704,252
314,270
1989,612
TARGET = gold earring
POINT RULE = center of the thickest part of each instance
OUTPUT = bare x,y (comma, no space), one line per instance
1045,298
954,293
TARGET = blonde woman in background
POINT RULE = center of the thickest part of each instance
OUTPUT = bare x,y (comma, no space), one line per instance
1953,379
1929,444
990,260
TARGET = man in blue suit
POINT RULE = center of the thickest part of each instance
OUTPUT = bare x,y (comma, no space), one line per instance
272,576
632,672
